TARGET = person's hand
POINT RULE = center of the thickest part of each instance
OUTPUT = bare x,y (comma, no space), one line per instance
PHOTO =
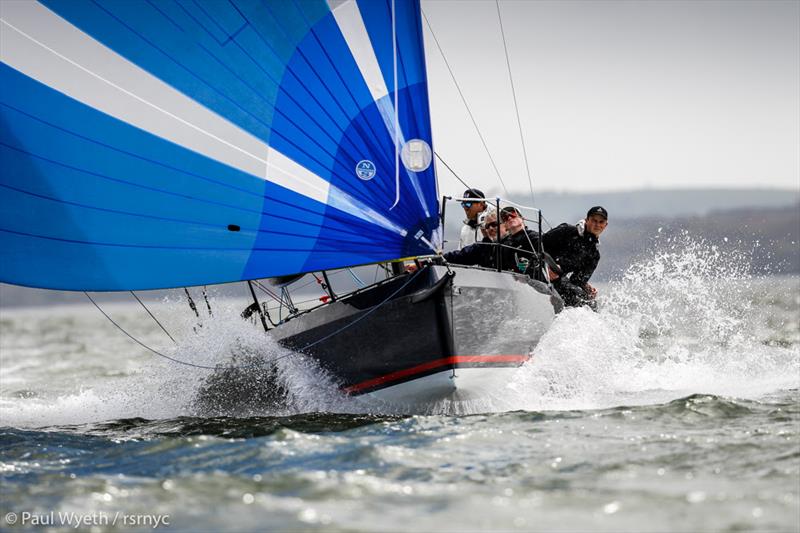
591,291
552,274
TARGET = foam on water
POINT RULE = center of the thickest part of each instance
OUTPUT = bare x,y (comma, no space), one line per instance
254,359
159,388
679,322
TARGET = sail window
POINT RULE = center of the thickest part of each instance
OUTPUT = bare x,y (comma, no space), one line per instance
416,155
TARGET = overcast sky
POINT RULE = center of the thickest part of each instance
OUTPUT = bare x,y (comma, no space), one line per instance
617,95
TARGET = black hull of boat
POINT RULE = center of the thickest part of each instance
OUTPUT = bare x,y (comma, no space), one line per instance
418,325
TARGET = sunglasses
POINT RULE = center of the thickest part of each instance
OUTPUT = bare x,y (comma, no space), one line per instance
466,205
491,225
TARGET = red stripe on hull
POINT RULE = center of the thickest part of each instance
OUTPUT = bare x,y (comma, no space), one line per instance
446,361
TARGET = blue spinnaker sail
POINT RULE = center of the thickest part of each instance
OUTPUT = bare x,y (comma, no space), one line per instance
164,144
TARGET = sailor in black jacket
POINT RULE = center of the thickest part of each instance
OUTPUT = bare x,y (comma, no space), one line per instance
479,253
574,249
519,246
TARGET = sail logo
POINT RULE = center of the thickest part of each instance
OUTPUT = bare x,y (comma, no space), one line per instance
365,170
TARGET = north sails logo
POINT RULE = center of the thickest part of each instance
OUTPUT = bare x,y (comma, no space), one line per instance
365,170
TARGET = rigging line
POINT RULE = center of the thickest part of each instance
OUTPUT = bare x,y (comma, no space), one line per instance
356,278
259,309
453,172
514,94
282,300
357,320
174,360
301,302
520,205
310,282
268,292
153,317
464,100
140,343
218,367
191,302
205,297
548,222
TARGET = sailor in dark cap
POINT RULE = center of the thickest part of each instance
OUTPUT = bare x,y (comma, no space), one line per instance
473,209
574,249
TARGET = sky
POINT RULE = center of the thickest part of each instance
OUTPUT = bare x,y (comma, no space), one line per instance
616,95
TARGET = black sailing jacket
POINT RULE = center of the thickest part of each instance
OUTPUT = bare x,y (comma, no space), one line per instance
518,253
520,247
478,253
575,253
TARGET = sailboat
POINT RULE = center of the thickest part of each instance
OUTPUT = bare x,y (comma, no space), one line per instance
170,144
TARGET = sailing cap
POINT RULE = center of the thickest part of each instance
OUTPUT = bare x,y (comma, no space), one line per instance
508,211
597,210
473,193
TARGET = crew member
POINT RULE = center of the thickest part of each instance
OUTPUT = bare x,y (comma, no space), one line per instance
520,245
574,249
472,209
481,253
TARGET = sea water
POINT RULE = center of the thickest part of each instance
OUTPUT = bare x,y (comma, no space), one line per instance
676,407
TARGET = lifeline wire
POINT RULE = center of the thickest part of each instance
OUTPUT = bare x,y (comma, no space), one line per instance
520,205
516,107
362,317
458,88
280,299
